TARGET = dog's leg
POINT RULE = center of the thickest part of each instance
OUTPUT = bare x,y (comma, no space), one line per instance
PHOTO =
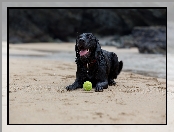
112,82
100,86
79,79
74,86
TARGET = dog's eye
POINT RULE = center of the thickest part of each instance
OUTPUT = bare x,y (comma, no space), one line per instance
89,35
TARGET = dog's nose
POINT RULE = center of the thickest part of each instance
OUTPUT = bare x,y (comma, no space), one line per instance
81,40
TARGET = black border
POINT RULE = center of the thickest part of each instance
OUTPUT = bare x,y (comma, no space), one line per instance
7,66
76,8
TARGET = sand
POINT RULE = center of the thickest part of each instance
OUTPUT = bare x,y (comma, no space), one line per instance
37,93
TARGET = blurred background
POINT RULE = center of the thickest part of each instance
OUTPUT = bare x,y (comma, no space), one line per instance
136,35
123,28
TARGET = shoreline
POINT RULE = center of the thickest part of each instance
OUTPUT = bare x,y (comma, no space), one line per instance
143,64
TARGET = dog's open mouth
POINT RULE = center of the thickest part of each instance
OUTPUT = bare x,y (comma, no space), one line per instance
84,52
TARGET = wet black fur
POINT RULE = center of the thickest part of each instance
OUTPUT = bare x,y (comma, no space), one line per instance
100,67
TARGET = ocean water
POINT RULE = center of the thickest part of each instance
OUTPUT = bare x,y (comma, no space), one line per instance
170,66
170,50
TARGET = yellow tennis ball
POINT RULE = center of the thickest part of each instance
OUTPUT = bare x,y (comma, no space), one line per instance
87,86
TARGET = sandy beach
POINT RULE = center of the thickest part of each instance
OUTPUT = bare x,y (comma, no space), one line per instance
37,93
52,105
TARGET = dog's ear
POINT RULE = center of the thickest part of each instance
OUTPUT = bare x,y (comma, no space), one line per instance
77,34
94,41
98,49
76,48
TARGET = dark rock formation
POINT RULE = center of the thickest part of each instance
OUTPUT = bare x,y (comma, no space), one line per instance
150,39
45,25
147,39
126,41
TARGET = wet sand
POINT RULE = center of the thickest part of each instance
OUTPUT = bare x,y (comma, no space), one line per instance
37,93
153,65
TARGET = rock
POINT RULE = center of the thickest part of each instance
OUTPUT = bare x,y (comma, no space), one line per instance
147,39
114,43
150,39
126,41
108,40
47,25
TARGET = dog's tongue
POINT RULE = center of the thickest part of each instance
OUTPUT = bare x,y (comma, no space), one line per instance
83,52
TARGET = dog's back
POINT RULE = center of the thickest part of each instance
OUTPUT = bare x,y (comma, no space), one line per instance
114,67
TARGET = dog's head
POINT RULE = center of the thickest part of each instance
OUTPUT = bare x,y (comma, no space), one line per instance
87,46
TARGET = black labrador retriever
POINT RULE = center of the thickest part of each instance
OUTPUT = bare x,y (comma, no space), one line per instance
94,64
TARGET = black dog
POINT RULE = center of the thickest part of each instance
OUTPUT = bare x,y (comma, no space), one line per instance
94,64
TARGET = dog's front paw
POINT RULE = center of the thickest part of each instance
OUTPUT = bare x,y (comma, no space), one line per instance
112,83
99,89
74,86
70,87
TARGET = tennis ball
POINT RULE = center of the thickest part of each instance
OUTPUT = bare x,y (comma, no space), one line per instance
87,85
